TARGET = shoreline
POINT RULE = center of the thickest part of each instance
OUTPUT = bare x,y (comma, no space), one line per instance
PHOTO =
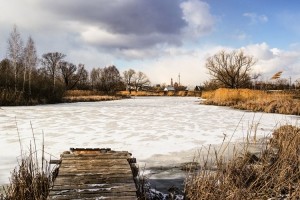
163,177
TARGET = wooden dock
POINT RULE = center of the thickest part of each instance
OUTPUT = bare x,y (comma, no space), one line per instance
94,174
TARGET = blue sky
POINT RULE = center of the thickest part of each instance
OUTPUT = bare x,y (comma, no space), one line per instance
160,37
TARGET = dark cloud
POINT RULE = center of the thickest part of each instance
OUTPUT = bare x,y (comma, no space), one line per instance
124,16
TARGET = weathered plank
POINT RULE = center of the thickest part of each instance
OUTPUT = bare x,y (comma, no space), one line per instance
94,174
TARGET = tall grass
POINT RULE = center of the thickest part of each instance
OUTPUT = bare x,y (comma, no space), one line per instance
274,174
254,100
32,178
159,93
86,96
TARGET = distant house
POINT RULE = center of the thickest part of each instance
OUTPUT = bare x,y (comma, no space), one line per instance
169,88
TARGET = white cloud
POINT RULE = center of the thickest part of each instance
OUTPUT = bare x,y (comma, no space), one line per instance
255,18
259,51
271,60
198,17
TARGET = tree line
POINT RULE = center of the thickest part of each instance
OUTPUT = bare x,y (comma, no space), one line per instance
26,79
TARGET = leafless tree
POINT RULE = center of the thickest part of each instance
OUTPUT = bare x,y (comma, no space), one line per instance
71,74
83,77
14,51
51,62
95,77
30,62
110,79
128,79
106,79
140,80
6,74
231,69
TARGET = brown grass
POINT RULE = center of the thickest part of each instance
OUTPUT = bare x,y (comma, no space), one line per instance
92,98
77,93
29,180
254,100
274,174
87,96
159,93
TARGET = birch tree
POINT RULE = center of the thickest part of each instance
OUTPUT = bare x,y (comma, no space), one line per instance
30,62
14,52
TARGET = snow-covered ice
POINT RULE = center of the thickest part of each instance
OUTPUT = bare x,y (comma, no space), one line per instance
144,126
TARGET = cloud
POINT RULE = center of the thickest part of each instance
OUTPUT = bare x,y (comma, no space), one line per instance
131,29
127,26
123,24
198,17
271,60
119,16
255,18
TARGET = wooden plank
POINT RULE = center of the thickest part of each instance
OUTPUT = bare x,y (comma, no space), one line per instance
98,162
92,190
108,155
55,162
77,195
67,197
128,186
92,179
97,157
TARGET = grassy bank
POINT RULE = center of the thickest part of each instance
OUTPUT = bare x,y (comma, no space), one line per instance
159,93
274,174
255,100
71,96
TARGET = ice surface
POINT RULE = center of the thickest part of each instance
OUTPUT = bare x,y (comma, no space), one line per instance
144,126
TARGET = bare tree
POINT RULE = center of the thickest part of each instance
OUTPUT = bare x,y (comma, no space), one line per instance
83,77
231,69
6,74
71,74
51,62
106,79
140,81
128,78
14,51
30,62
95,77
110,79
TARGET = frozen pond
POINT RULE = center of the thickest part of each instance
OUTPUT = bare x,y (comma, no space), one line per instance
144,126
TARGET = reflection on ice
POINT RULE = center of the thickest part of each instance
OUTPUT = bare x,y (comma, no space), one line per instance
143,126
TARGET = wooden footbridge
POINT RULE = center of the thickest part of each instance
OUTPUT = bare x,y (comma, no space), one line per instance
95,174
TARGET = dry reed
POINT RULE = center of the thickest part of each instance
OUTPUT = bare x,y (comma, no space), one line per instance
32,178
159,93
274,174
254,100
87,96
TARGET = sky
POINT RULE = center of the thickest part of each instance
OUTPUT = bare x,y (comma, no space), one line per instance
162,38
